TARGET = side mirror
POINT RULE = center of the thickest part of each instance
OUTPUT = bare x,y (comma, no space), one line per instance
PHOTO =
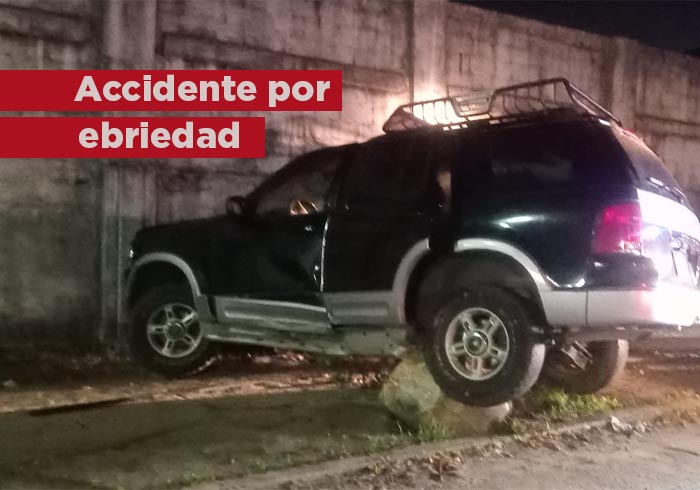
235,205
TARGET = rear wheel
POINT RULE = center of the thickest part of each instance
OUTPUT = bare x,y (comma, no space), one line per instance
166,333
585,367
482,349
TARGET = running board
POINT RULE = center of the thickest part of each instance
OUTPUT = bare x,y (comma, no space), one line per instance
340,341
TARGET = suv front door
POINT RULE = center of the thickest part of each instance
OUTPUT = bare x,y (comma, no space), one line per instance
269,265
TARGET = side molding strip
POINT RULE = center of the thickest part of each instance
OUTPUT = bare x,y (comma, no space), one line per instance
361,308
276,315
377,307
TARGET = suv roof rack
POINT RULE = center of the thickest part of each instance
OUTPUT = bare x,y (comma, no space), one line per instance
539,98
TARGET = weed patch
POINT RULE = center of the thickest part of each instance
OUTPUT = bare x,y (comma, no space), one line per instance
432,432
558,404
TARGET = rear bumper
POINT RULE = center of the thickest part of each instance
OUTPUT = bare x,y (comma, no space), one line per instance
666,305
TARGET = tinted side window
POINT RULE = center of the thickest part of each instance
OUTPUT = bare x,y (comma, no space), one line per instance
307,179
459,160
443,151
389,172
552,155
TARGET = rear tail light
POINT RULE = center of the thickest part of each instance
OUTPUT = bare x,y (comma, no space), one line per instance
619,229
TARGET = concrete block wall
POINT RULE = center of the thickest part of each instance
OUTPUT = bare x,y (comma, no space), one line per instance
50,210
369,41
66,225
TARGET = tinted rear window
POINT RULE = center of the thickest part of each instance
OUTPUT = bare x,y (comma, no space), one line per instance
554,155
389,171
651,173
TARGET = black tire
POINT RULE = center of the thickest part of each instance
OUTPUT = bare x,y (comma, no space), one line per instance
196,361
608,359
521,366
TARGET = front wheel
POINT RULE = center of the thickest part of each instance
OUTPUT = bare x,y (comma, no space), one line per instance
482,348
585,367
166,333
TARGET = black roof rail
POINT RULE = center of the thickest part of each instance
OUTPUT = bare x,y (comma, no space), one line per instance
538,98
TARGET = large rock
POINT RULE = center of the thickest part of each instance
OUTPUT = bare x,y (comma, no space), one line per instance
411,395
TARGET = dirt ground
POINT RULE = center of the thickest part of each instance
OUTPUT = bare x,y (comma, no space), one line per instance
87,422
48,380
99,423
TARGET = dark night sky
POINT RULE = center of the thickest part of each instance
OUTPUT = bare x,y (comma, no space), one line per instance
671,25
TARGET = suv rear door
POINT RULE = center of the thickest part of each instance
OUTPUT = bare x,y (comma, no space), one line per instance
387,204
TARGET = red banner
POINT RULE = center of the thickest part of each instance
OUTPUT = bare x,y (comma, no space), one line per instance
132,137
170,90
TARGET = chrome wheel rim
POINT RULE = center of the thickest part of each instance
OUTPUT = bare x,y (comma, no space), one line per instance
173,330
477,344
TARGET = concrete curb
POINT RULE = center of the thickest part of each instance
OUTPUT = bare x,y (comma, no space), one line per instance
311,472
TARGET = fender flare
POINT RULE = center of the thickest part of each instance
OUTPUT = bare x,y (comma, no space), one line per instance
168,258
490,245
420,249
201,301
402,278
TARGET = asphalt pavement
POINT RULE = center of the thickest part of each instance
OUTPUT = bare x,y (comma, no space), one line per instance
664,459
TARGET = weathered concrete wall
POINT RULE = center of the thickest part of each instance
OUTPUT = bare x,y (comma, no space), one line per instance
50,210
67,224
654,92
